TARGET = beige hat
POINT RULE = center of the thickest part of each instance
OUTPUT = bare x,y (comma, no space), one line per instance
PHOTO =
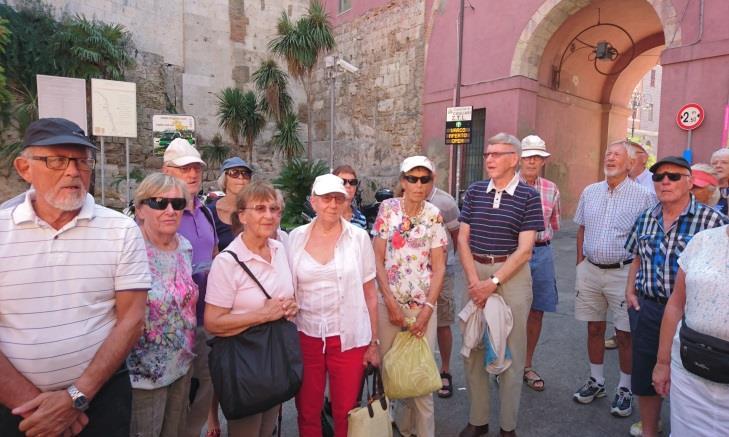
532,145
327,184
416,161
181,153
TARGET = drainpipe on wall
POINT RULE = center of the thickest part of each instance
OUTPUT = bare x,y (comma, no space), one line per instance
455,151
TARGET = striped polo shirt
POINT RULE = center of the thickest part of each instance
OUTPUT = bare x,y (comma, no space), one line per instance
496,217
57,287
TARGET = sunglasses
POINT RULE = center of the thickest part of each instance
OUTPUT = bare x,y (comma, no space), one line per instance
160,203
351,182
414,179
673,177
238,173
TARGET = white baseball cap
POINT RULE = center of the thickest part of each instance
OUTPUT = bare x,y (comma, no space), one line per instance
327,184
416,161
532,145
181,153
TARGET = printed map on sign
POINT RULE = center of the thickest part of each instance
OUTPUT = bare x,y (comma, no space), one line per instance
113,108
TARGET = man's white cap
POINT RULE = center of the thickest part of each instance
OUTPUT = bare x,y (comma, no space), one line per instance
532,145
181,153
416,161
327,184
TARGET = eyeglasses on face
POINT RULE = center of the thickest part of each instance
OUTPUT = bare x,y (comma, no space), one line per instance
673,177
196,168
414,179
328,198
352,182
238,173
161,203
61,162
488,155
261,209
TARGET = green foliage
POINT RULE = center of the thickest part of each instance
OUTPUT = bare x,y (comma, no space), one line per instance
215,152
271,83
239,114
90,48
286,139
295,180
4,38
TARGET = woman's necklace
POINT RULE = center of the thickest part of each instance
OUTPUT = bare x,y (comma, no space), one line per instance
408,215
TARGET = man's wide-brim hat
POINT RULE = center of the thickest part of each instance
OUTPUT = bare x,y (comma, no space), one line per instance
532,145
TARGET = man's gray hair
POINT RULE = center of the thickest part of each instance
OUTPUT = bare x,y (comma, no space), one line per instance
504,138
723,152
627,145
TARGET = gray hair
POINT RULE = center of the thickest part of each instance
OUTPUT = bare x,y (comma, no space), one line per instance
706,168
280,198
220,182
504,138
627,145
156,184
723,152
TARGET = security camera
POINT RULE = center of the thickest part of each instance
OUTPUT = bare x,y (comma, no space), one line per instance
347,66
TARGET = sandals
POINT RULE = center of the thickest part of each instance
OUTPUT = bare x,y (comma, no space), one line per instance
533,380
447,390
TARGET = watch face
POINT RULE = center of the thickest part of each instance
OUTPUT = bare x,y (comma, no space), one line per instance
81,403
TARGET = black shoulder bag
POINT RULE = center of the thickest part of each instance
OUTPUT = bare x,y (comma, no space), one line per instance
704,355
257,369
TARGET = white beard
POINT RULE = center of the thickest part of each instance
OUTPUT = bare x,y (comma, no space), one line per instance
71,203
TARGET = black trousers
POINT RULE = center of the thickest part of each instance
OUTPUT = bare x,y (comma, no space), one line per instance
109,413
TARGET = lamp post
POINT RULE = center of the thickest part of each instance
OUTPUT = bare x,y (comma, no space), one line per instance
332,64
635,104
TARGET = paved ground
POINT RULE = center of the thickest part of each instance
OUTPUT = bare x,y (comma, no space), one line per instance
561,359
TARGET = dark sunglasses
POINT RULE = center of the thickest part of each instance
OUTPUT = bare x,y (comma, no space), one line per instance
673,177
352,182
423,179
160,203
238,173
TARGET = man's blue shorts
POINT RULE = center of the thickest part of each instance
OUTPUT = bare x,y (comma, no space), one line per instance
544,282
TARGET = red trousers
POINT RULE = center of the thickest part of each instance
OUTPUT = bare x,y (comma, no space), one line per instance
345,372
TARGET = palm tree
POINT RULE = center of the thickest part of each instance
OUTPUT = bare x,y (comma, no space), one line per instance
300,44
286,139
239,114
271,83
214,153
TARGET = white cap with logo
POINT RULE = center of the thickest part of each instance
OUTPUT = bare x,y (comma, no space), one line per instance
327,184
181,153
532,145
416,161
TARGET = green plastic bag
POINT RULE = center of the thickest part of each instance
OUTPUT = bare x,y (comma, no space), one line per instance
409,369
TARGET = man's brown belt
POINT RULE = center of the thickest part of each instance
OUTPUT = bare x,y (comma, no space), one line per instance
489,259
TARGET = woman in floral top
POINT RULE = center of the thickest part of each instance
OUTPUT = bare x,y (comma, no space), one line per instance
159,365
410,247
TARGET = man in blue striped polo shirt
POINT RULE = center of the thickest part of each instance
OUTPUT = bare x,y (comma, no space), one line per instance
499,221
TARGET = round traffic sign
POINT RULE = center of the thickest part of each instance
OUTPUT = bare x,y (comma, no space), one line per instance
690,116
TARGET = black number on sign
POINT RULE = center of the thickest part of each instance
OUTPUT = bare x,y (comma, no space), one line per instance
685,117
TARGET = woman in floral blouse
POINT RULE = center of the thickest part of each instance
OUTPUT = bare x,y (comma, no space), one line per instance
410,251
159,364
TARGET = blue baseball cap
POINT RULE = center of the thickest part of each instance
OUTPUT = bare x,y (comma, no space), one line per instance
50,132
235,162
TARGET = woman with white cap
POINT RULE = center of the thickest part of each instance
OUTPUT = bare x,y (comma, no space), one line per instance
235,174
333,268
410,244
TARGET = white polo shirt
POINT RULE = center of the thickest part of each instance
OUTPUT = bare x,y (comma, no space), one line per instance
57,287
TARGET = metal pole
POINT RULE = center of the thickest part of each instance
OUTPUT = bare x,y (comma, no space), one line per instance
331,115
457,96
129,187
103,164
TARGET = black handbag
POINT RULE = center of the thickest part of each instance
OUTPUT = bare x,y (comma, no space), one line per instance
257,369
704,355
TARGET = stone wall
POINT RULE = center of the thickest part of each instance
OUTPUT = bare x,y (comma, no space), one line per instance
378,110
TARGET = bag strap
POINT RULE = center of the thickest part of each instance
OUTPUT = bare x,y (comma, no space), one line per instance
245,267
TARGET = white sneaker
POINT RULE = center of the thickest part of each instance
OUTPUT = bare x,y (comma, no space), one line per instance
636,429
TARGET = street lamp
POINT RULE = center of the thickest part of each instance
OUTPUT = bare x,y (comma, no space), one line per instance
333,64
635,104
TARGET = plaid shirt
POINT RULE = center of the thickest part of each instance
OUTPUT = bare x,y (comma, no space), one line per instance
549,195
659,250
722,206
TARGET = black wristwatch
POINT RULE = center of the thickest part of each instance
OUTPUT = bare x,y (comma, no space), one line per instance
80,401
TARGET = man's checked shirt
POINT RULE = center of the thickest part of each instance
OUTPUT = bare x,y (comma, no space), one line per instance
659,249
549,195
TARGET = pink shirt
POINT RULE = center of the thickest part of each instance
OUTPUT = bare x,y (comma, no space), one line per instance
229,286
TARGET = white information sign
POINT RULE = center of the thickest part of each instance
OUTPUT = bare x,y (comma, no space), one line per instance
114,108
161,123
459,113
63,97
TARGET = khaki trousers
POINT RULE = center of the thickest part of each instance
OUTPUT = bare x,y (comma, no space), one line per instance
197,413
517,292
257,425
417,415
160,412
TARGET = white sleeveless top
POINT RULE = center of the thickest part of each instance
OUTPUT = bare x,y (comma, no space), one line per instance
318,297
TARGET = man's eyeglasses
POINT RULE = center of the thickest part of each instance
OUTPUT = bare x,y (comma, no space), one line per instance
261,209
351,182
237,173
161,203
496,154
61,162
673,177
414,179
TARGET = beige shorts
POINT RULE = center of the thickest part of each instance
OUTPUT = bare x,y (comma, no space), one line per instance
599,291
446,307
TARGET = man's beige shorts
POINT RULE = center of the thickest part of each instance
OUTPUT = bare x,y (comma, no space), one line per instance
446,307
599,291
